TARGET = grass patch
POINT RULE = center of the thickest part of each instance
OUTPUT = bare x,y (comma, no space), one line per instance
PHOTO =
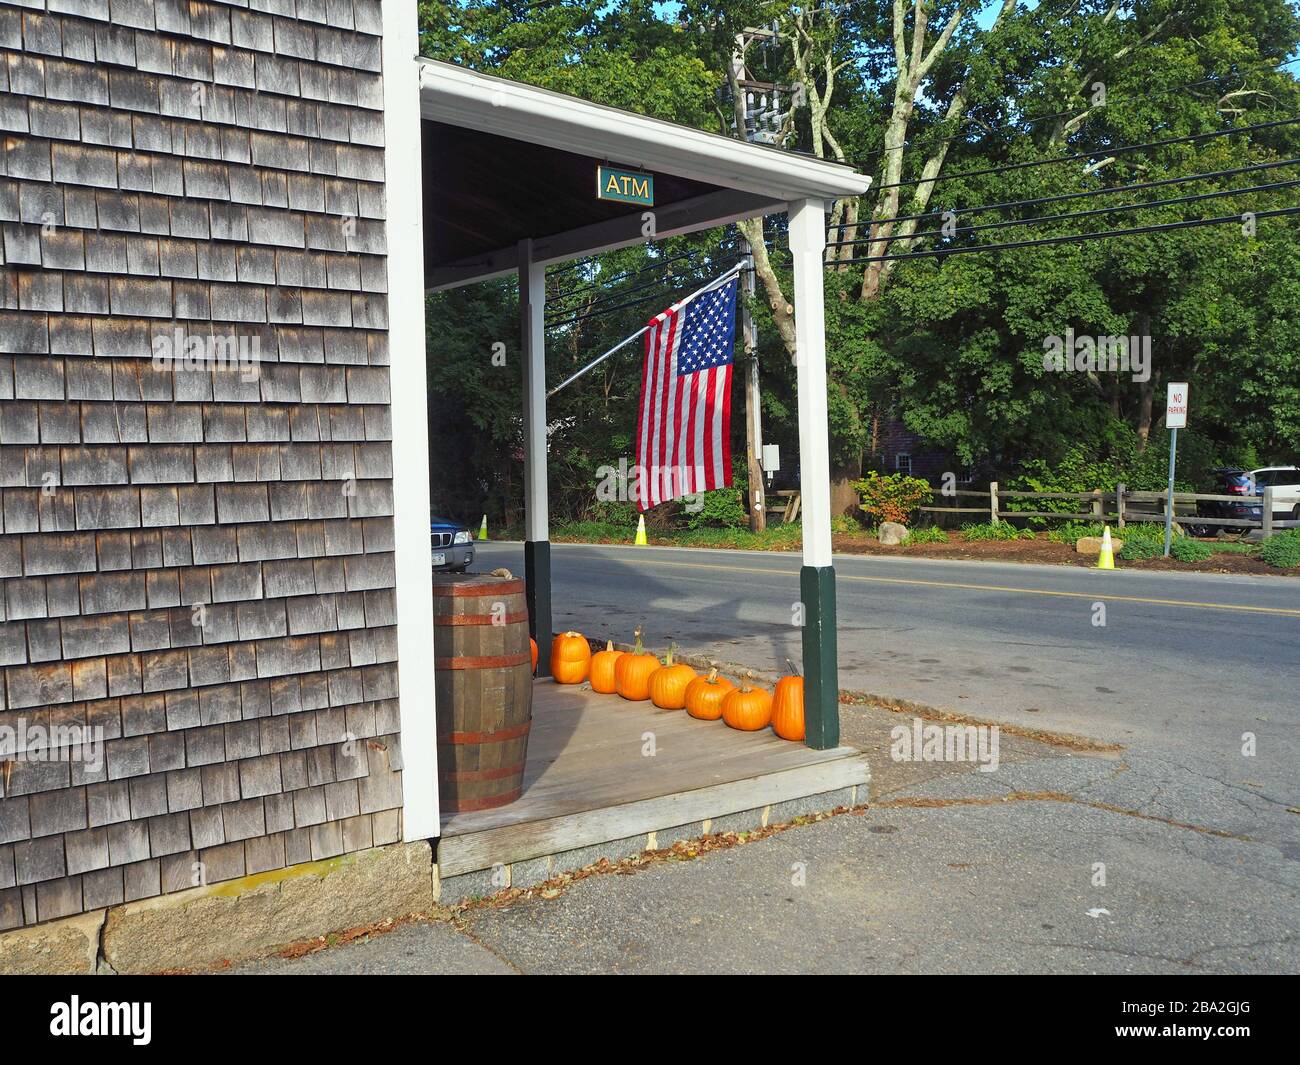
1230,547
931,534
1074,530
774,538
986,530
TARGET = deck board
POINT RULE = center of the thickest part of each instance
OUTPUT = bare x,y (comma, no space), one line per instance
587,776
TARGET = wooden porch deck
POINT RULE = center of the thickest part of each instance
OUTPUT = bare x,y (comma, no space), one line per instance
589,782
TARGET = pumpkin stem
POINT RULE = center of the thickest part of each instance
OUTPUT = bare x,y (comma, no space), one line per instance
609,645
668,658
713,674
793,668
639,648
744,684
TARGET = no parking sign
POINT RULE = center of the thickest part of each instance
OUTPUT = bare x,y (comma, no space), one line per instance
1175,419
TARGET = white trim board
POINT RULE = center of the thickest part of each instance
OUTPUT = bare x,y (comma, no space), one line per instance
461,97
409,406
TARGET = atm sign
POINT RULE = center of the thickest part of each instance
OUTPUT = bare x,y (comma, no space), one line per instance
625,186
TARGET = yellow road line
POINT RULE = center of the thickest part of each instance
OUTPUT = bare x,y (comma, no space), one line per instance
1090,596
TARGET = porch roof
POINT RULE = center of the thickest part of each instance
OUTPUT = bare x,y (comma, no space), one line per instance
505,161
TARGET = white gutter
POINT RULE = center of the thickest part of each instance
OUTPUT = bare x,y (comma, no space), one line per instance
460,97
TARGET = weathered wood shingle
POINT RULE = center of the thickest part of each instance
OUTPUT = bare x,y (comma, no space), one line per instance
195,554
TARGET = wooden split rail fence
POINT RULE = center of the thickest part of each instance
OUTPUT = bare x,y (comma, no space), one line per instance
1120,506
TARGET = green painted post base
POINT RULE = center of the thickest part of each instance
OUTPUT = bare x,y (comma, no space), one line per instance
537,574
821,685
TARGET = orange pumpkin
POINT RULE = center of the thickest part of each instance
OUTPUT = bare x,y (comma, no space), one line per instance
668,683
532,645
570,658
746,708
787,709
632,672
704,695
602,669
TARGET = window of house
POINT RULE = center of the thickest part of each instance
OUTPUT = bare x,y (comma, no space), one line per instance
903,464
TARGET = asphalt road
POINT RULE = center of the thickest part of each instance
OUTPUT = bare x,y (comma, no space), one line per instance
1176,854
1184,666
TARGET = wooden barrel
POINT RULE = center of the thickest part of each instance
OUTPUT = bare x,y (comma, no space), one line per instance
483,684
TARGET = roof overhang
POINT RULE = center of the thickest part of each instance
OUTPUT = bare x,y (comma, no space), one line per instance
746,180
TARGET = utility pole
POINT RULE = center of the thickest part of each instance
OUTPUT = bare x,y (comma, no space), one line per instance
753,405
764,110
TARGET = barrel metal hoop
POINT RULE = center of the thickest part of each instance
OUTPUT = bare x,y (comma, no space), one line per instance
481,774
521,658
500,736
480,619
499,588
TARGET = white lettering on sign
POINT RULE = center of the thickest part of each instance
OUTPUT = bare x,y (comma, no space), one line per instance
1176,406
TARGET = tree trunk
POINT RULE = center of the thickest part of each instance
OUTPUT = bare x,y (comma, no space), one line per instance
1146,401
844,497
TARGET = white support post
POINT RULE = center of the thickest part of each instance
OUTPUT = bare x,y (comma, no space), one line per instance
409,407
817,577
807,242
537,546
532,332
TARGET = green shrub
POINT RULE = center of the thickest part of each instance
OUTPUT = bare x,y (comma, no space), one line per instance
986,530
1145,540
931,534
892,498
1282,549
720,509
843,523
1185,549
1133,550
1074,530
611,512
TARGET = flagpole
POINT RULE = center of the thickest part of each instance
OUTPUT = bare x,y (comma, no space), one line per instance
720,279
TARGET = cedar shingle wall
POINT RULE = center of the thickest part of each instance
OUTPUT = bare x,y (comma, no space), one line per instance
214,168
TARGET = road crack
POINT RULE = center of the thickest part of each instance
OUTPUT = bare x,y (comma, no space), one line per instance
922,802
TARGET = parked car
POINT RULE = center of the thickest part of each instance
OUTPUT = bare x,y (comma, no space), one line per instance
1229,481
1285,482
452,543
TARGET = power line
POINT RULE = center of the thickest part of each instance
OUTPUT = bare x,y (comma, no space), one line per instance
1122,99
1088,155
1007,223
657,298
599,300
659,264
1081,237
1135,187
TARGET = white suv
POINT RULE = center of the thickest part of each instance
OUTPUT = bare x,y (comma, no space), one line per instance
1285,482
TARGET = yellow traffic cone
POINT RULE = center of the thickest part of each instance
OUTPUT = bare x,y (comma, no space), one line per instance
482,529
1106,556
640,540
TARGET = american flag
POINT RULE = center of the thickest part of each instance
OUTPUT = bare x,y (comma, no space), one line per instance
683,441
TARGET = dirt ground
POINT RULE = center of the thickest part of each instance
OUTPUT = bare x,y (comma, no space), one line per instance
1047,552
1039,550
